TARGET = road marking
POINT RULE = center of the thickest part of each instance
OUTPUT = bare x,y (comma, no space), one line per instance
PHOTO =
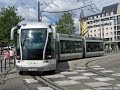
95,66
107,71
67,82
98,68
88,74
44,88
86,89
118,85
79,77
69,73
31,80
97,84
104,79
55,76
116,74
80,70
80,67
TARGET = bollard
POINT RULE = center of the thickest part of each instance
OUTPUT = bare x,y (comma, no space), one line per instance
1,64
14,61
5,64
9,63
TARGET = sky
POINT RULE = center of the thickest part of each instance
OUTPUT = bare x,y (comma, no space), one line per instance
28,9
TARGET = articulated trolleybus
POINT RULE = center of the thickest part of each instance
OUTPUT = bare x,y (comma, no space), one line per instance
39,47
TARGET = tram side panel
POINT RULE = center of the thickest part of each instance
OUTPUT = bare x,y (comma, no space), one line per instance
93,47
70,47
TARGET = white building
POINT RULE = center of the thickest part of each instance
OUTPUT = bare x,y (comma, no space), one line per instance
106,25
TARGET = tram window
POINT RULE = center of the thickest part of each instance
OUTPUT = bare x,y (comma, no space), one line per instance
49,53
70,46
94,46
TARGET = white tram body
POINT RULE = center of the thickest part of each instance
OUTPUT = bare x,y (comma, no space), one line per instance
39,47
35,47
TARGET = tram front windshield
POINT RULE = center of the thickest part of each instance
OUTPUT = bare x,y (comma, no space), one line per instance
33,42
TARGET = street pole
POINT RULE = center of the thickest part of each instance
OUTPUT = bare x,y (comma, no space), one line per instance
39,12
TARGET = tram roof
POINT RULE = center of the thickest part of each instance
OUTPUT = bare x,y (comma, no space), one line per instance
35,25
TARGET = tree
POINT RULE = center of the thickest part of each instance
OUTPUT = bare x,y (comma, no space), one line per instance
65,24
8,19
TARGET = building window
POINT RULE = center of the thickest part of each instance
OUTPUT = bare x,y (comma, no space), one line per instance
103,15
107,34
118,27
98,16
111,13
91,17
111,33
110,23
118,19
107,14
95,17
110,39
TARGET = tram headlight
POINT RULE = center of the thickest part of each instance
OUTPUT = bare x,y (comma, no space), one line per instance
18,57
49,56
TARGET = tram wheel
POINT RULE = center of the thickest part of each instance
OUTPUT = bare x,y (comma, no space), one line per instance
21,72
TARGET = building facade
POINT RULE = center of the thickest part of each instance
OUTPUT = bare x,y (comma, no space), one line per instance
106,25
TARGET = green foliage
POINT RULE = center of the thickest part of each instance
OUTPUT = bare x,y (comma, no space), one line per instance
65,24
8,19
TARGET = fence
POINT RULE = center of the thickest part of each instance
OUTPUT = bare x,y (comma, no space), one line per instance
6,64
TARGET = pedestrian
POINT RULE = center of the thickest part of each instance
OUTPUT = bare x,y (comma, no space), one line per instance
11,54
6,55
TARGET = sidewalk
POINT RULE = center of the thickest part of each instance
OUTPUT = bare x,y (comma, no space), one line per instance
8,67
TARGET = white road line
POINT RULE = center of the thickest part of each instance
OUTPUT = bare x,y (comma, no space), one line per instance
79,77
107,71
95,66
88,74
44,88
97,84
55,76
104,79
31,80
69,73
116,74
67,82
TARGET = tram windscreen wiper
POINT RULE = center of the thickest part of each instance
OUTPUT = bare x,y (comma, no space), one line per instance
23,43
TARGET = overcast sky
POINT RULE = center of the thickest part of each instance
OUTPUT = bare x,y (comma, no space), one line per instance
28,8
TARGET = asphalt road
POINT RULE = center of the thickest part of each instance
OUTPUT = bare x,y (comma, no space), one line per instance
72,75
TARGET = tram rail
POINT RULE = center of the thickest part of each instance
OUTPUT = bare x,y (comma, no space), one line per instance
117,78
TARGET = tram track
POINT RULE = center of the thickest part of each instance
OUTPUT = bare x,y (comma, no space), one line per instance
117,79
49,83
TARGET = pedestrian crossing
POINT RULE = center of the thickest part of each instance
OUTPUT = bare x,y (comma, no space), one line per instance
81,77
